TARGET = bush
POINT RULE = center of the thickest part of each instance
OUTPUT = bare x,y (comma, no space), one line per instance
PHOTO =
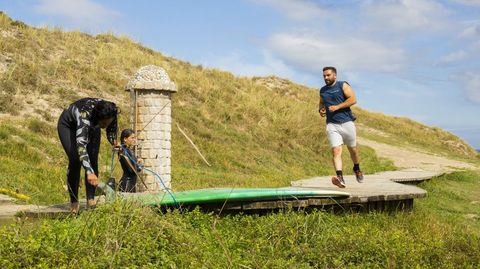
125,235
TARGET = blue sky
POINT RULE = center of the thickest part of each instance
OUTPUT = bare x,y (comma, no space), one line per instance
414,58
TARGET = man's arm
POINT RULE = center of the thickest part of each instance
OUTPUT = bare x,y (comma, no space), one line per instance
350,98
321,108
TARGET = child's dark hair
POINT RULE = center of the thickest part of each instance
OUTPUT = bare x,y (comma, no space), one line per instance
104,110
125,134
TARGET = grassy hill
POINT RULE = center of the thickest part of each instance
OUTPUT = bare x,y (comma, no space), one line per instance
262,131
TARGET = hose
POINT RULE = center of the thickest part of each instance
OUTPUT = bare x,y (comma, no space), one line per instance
157,176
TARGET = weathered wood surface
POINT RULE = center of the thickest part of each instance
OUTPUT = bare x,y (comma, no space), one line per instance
379,192
378,187
411,175
9,207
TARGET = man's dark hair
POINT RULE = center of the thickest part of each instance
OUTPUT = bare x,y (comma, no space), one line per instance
125,134
104,110
334,70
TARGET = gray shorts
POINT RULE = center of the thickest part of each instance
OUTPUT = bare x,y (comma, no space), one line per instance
343,133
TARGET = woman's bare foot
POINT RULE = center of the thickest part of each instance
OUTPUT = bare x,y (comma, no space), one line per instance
74,208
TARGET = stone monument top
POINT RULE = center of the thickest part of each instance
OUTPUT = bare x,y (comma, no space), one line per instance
151,77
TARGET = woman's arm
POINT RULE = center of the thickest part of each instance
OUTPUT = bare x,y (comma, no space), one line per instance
83,126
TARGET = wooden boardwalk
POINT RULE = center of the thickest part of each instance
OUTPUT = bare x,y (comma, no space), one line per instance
9,207
379,192
386,191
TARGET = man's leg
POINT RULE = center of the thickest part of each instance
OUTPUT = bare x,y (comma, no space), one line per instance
337,163
349,135
337,158
336,142
354,154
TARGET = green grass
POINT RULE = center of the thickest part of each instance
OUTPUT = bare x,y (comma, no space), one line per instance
434,235
33,162
29,163
256,132
455,198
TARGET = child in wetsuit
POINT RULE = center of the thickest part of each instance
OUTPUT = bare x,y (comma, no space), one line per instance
130,165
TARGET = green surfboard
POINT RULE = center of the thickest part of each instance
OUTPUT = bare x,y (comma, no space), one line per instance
216,195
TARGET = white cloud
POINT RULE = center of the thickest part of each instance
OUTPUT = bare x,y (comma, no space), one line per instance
469,2
299,10
365,35
237,63
476,46
405,94
453,57
83,14
400,37
404,15
472,87
312,51
267,65
472,31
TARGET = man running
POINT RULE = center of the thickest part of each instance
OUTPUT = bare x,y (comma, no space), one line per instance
336,98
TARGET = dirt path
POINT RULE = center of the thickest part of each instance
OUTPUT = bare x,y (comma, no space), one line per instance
409,158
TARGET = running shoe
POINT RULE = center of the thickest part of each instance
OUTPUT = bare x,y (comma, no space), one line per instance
359,176
338,181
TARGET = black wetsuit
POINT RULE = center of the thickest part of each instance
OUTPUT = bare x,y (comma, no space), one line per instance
129,163
80,136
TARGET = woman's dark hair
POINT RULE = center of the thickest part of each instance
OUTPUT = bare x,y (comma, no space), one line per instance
125,134
104,110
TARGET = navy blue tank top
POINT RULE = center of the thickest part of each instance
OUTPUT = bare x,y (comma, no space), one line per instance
333,95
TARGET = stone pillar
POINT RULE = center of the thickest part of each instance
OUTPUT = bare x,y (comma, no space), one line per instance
151,106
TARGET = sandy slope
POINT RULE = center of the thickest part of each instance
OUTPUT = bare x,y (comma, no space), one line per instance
410,158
